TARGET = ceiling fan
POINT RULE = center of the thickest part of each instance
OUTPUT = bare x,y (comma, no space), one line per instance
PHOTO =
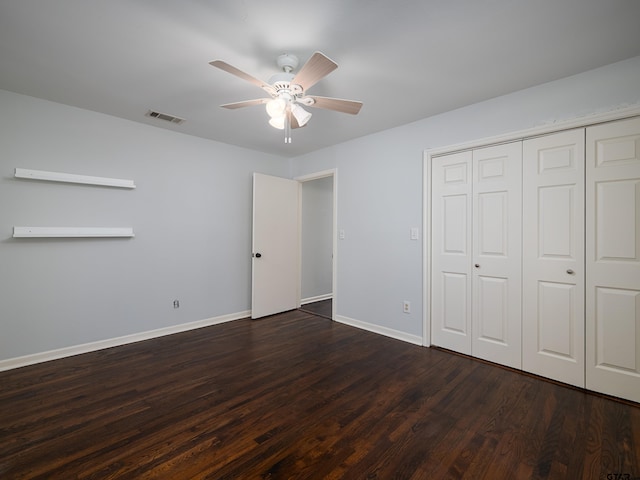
288,91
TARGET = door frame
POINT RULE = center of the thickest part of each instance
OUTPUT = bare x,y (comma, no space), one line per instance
333,172
428,154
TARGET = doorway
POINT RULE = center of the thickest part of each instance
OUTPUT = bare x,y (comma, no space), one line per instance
317,243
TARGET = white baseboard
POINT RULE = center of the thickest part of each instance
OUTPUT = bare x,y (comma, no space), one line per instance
317,298
25,360
387,332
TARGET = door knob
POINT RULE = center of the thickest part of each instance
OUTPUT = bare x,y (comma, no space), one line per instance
477,265
257,255
570,272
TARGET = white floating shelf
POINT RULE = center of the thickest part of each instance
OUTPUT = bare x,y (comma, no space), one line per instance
71,178
49,232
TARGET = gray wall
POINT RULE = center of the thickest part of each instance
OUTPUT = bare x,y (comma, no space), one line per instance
317,237
380,185
191,214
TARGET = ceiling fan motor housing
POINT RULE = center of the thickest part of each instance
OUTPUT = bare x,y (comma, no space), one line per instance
281,82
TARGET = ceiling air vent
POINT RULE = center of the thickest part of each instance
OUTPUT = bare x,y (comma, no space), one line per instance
166,117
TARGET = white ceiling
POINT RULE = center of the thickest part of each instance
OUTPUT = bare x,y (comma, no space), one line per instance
405,59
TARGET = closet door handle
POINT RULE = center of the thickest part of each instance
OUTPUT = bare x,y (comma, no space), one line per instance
477,265
570,272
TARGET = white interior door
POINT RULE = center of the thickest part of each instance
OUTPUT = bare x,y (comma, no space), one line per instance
451,252
613,258
497,254
275,266
553,258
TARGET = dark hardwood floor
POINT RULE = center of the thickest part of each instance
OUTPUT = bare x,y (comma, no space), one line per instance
322,308
297,396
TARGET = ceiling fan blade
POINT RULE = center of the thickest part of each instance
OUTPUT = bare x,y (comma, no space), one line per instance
245,76
246,103
316,68
345,106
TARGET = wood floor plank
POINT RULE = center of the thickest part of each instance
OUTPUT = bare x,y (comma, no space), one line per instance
298,396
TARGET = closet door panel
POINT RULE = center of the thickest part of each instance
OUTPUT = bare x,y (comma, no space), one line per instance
613,258
497,249
556,320
454,308
451,252
553,257
617,317
616,212
556,208
491,316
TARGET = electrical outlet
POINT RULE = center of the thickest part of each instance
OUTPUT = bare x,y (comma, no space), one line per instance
176,304
406,306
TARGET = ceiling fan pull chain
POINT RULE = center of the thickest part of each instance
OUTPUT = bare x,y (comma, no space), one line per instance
287,126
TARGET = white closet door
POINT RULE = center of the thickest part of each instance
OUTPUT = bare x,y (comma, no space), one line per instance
553,257
451,252
613,258
497,254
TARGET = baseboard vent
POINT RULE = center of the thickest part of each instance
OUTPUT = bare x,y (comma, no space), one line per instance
165,116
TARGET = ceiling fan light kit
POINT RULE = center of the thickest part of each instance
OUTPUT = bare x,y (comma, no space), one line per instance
277,122
288,91
276,107
301,115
